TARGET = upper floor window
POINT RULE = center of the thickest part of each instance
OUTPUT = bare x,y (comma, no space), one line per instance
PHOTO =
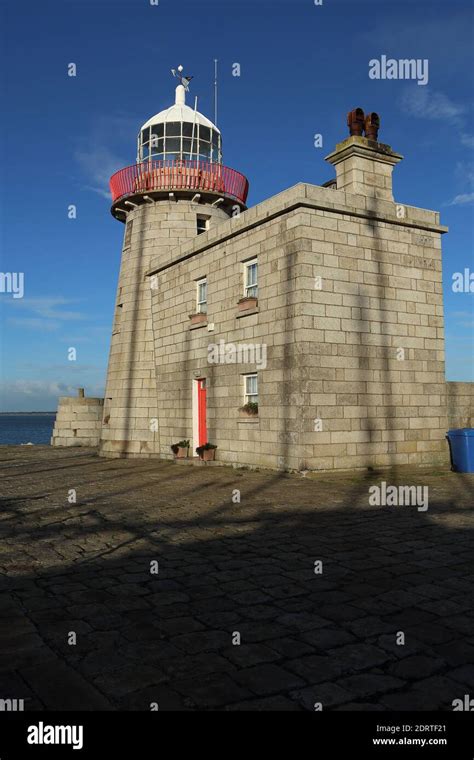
118,318
251,389
201,296
251,278
128,233
202,223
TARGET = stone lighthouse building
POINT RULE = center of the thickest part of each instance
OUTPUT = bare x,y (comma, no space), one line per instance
177,189
306,332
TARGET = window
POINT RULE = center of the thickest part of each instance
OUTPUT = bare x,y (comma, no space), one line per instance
250,389
173,144
250,279
201,296
204,150
173,129
128,234
202,223
216,152
107,405
157,130
156,144
175,139
118,318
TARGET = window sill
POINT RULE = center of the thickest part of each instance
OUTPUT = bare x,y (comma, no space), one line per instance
198,325
247,312
246,417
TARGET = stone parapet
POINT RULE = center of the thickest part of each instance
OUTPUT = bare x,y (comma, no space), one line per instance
460,405
78,421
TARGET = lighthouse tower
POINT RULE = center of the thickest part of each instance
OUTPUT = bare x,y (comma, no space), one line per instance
177,189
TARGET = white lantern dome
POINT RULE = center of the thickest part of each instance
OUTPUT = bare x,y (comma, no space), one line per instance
179,132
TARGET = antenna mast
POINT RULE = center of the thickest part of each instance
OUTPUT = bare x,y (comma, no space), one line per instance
215,91
193,132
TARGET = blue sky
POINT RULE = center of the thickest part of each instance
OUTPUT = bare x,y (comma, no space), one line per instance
302,68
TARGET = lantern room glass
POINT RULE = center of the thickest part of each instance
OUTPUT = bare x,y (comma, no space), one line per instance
180,140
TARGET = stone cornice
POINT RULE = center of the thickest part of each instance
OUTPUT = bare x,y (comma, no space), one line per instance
312,197
363,148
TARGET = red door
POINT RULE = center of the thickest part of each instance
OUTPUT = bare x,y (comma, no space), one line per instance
202,427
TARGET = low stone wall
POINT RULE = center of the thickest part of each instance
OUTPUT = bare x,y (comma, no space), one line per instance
78,421
460,404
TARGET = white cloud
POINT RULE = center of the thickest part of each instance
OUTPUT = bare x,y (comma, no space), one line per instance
38,395
426,104
47,311
462,199
33,387
465,172
98,155
465,177
98,164
33,323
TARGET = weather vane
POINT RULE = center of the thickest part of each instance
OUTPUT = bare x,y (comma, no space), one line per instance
185,80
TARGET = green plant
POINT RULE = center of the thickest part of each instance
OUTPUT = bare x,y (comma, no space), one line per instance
180,445
205,447
250,408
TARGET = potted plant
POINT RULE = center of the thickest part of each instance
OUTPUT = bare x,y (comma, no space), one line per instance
206,452
250,409
199,318
180,449
247,302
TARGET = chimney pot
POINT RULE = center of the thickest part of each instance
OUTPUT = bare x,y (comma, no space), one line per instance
355,121
372,126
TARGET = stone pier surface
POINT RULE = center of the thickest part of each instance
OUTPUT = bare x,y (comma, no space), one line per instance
225,568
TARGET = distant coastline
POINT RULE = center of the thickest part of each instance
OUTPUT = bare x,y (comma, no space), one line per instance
7,414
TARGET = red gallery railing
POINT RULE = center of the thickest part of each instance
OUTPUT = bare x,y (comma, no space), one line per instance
150,176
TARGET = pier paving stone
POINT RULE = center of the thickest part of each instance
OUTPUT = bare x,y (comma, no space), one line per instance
226,568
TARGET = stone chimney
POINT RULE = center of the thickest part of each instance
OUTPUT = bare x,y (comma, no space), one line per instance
364,165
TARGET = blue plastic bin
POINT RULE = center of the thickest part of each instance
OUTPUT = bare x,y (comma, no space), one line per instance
461,448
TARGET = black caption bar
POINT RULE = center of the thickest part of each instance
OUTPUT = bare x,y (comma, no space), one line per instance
138,734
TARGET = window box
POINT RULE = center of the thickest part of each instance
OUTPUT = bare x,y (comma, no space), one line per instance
247,302
248,413
200,318
250,409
